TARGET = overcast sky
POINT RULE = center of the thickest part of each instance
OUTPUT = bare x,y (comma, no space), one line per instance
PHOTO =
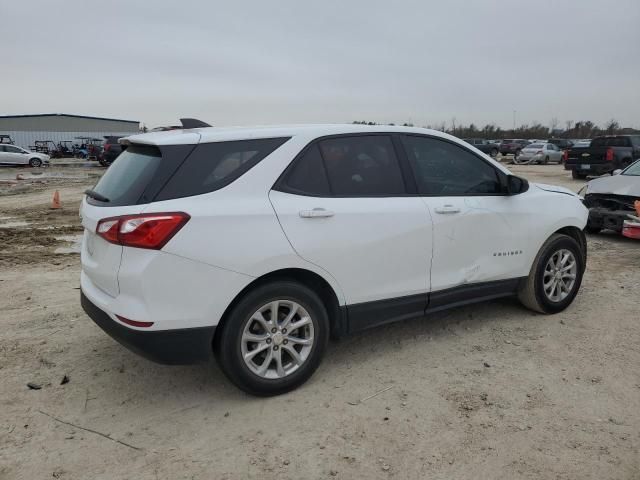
295,61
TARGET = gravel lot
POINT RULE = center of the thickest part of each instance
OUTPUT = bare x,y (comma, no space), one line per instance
488,391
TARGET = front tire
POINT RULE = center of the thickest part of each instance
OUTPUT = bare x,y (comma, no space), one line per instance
555,276
273,339
35,162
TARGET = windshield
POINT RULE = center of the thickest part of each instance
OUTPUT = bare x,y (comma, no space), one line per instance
633,169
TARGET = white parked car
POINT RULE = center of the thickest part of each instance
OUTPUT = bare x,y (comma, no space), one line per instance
539,153
256,244
14,155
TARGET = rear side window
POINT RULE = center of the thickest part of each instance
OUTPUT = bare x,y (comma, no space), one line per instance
212,166
128,177
445,169
362,166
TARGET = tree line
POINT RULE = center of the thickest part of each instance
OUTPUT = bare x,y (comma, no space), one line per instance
579,129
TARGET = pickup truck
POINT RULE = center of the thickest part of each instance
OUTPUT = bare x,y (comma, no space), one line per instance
485,146
604,155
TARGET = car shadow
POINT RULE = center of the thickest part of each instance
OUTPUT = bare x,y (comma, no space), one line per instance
123,376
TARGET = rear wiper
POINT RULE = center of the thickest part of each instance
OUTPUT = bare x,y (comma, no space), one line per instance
96,195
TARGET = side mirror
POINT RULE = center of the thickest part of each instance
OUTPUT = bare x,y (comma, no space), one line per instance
617,171
516,185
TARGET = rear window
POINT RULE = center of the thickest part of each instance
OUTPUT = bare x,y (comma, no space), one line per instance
535,145
611,142
143,174
127,177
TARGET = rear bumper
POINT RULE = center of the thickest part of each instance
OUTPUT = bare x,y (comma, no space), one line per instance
171,347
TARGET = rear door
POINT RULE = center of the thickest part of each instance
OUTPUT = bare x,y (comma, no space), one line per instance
343,205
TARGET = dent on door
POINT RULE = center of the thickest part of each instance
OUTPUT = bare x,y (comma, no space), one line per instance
482,242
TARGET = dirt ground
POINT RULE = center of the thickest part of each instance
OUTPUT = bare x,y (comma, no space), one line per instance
490,391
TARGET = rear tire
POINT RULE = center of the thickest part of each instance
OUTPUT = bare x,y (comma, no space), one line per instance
35,162
578,176
249,327
546,160
493,153
537,292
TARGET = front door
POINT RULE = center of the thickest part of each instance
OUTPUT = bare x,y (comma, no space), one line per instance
479,232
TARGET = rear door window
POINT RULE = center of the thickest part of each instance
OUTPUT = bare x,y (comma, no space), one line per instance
360,166
307,175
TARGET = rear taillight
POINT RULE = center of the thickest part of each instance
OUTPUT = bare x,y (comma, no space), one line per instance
539,152
146,230
565,155
107,147
609,155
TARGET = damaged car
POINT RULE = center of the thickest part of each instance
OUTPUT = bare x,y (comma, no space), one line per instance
611,199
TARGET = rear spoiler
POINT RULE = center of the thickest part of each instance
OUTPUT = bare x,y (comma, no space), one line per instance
193,123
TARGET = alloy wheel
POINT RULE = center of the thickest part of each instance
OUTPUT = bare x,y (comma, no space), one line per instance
277,339
560,274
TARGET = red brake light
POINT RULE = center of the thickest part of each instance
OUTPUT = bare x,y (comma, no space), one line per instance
609,155
565,155
106,147
134,323
539,152
152,230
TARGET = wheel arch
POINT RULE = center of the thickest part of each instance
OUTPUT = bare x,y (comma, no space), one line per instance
578,235
305,277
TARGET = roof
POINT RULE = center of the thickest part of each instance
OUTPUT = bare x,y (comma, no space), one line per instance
69,115
219,134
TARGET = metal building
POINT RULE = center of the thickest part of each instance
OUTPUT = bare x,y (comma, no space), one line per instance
26,129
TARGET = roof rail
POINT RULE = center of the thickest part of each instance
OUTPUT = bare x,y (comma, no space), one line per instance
193,123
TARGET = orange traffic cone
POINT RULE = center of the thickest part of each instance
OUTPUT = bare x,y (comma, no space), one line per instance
55,204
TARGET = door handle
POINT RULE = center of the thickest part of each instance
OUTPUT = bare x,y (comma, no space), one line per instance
316,213
447,209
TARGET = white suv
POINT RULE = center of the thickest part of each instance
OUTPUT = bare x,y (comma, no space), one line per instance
257,244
